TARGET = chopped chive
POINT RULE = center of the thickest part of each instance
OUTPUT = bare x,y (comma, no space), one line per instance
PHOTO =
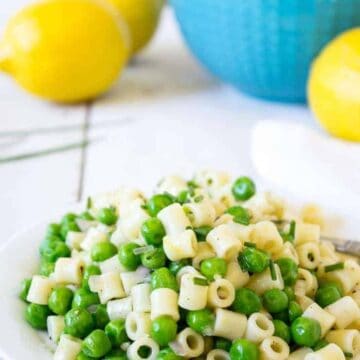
272,271
348,354
292,229
189,213
198,198
202,231
290,235
183,197
171,196
209,181
249,244
192,184
188,227
143,249
242,265
333,267
200,281
240,214
144,206
280,221
89,203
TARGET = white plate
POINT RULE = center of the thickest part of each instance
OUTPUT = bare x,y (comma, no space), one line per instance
18,260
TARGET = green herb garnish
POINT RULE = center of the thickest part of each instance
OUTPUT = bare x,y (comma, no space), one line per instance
334,267
272,271
200,281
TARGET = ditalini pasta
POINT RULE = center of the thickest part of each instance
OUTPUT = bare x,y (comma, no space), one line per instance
229,324
68,348
274,348
204,269
259,327
345,311
330,351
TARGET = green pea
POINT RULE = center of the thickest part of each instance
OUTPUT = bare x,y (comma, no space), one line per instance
116,354
46,268
246,301
243,349
96,344
202,321
305,331
50,238
60,300
127,257
289,293
168,354
86,216
213,266
115,331
275,300
82,356
154,259
253,260
103,251
175,266
282,315
320,344
100,316
333,283
289,270
163,330
223,344
327,295
295,310
158,202
89,271
53,229
78,323
36,315
24,289
51,251
68,226
282,330
243,188
163,278
240,215
201,232
153,231
83,298
107,216
68,217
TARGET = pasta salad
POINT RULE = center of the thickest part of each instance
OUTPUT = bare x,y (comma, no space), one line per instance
203,269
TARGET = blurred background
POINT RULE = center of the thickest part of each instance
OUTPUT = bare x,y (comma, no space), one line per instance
97,93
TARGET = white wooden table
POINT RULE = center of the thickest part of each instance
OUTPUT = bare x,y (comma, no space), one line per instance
165,115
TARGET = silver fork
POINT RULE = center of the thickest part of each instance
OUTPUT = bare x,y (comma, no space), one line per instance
351,247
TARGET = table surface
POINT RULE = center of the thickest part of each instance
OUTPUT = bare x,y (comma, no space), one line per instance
165,115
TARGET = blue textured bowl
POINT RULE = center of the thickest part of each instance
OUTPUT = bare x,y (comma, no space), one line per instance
263,47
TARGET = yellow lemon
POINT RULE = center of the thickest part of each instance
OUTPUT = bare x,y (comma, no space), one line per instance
334,86
142,17
65,50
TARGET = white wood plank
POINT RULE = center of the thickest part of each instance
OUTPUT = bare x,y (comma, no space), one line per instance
31,189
